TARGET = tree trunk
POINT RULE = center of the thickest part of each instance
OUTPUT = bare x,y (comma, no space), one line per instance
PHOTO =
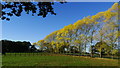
74,51
79,50
69,50
112,56
91,52
85,50
101,54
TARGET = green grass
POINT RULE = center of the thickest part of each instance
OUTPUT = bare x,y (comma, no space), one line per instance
54,60
0,60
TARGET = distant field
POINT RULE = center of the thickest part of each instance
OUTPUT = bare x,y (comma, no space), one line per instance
54,60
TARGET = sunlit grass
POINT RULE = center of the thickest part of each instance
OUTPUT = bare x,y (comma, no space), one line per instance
55,60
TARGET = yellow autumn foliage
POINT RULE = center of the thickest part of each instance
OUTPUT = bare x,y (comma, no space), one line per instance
77,32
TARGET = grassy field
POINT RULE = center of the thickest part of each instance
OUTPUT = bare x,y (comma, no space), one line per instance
54,60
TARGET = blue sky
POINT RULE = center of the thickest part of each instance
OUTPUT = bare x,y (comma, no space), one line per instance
92,0
34,28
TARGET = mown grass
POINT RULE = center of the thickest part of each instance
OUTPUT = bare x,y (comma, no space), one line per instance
54,60
0,60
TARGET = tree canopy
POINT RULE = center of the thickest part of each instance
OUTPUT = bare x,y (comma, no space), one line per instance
17,46
16,8
86,33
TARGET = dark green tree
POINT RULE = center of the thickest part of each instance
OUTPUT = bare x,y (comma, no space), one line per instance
102,48
16,46
33,48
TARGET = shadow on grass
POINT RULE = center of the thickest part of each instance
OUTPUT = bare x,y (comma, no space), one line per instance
109,57
60,67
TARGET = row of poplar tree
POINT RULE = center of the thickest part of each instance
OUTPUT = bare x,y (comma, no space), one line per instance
96,34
